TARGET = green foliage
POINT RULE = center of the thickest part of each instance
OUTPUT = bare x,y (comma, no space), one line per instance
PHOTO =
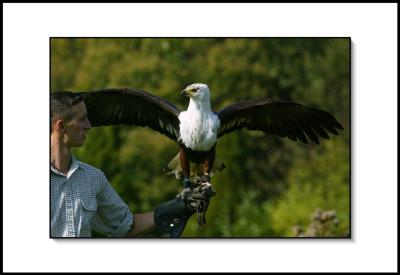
270,184
323,224
318,180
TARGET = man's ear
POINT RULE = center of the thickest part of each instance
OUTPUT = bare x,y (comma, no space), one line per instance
59,125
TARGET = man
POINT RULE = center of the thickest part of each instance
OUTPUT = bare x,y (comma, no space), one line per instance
83,200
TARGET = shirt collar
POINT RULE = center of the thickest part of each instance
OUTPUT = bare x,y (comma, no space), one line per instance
75,164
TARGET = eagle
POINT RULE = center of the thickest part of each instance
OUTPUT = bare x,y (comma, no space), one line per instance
197,130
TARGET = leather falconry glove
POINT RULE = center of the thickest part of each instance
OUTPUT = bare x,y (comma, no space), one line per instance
171,216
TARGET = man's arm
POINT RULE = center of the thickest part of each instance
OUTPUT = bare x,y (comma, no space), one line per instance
171,216
142,223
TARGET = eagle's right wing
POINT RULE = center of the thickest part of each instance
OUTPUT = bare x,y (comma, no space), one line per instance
282,118
132,107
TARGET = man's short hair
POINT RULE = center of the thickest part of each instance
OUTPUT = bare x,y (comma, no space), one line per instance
61,105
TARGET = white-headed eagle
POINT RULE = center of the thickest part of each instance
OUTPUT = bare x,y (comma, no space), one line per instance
197,129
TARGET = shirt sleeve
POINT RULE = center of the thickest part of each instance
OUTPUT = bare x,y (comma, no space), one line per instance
113,217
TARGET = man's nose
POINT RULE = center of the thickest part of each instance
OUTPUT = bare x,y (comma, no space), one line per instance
88,125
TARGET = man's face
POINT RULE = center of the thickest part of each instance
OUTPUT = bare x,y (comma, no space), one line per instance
76,128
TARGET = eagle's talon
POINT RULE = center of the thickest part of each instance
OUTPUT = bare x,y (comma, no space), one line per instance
205,179
184,194
187,183
205,185
208,189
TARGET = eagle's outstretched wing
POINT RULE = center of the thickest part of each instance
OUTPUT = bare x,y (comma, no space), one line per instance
132,107
285,119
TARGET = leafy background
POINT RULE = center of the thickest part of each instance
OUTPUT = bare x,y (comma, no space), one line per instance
272,187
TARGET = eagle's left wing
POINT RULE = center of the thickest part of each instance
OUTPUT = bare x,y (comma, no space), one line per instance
132,107
285,119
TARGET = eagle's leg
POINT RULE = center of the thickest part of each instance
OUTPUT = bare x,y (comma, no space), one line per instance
185,164
206,178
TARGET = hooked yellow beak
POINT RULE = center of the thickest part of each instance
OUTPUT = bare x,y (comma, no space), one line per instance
186,92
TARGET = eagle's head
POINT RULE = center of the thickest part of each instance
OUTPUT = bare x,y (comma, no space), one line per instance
197,92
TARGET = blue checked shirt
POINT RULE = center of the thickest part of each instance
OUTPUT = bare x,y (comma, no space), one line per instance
82,201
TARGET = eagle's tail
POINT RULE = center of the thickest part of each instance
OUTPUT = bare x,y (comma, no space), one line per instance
196,169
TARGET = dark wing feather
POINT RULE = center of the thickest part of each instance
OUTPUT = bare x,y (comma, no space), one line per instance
132,107
285,119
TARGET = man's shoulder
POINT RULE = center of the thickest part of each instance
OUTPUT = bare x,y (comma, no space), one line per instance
89,168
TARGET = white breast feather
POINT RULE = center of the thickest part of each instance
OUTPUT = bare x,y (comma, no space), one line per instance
198,129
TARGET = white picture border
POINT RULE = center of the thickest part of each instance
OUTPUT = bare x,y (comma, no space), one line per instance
26,32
